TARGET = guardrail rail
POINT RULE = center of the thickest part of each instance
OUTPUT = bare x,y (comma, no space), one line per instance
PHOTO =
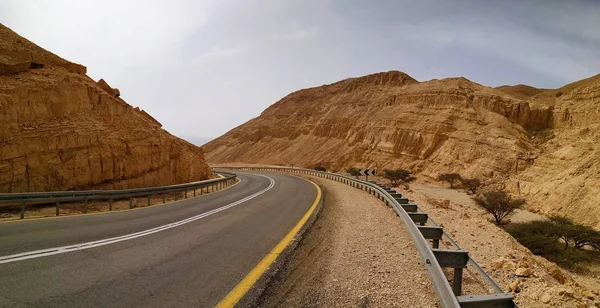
433,257
57,197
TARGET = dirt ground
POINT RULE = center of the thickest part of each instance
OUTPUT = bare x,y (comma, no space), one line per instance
357,254
501,255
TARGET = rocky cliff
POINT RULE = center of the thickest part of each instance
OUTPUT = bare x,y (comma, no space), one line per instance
60,130
390,120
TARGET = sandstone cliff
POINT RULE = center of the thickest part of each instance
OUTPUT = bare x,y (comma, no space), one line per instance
390,120
60,130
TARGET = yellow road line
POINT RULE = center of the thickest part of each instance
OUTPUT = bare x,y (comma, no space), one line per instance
242,288
112,212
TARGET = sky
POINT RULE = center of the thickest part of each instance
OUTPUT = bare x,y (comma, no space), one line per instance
203,67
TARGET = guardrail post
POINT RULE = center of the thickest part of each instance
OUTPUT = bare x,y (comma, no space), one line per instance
85,205
201,190
149,197
110,204
22,209
164,198
130,202
194,191
185,194
57,208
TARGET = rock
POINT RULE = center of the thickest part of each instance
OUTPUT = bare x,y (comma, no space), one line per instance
566,292
498,263
75,68
523,272
557,274
589,295
514,286
9,67
117,92
445,204
545,298
104,86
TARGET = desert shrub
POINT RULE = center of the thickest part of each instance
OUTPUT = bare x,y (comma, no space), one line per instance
556,239
451,178
398,176
353,171
471,184
575,235
499,204
320,167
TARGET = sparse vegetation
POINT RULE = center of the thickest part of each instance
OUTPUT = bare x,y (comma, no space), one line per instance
560,240
320,167
471,184
399,176
499,204
353,171
451,178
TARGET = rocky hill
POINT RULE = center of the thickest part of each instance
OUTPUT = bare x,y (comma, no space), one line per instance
512,135
62,130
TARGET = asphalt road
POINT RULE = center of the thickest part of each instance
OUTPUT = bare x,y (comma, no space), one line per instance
187,265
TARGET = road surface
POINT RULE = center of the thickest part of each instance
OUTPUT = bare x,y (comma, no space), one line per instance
190,253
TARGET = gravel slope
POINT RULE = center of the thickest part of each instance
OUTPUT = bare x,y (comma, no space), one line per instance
357,254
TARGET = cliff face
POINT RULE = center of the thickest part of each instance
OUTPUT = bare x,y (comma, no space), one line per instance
384,120
61,130
565,177
515,135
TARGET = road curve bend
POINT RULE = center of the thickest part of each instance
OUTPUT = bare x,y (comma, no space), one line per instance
189,253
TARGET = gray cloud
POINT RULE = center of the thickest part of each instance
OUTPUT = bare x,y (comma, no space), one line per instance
203,67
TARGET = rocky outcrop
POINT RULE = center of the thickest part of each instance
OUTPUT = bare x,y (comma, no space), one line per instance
384,120
538,143
61,131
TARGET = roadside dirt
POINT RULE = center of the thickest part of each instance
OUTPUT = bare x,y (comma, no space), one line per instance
543,284
357,254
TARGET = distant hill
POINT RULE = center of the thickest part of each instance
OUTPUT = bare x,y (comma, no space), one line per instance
539,143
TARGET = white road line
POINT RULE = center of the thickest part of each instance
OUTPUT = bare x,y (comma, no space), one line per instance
112,240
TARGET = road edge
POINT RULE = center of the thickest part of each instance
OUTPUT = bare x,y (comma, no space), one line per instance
248,291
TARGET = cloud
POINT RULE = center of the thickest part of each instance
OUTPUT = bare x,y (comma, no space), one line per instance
296,34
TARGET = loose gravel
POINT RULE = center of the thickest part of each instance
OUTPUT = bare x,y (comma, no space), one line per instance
357,254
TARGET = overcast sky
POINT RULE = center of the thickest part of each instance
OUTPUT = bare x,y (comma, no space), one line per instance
204,67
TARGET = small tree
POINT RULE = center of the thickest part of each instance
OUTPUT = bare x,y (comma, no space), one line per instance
451,178
471,184
499,204
320,167
574,234
399,176
353,171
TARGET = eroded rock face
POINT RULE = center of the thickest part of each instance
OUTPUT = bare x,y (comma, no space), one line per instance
61,131
384,120
538,143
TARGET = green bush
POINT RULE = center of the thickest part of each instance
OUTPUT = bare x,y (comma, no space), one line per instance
560,240
499,204
398,176
471,184
353,171
320,167
451,178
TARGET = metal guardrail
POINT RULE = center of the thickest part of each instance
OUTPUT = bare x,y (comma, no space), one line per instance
433,257
88,195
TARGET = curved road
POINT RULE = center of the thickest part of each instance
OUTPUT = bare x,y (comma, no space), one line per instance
195,253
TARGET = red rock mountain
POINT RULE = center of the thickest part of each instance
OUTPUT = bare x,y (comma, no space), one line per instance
60,130
514,135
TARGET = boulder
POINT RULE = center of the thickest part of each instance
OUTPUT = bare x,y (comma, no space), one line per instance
104,86
75,68
9,67
545,298
557,274
498,263
523,272
514,286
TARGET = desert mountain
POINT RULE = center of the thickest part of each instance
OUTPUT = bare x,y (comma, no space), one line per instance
60,130
537,142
